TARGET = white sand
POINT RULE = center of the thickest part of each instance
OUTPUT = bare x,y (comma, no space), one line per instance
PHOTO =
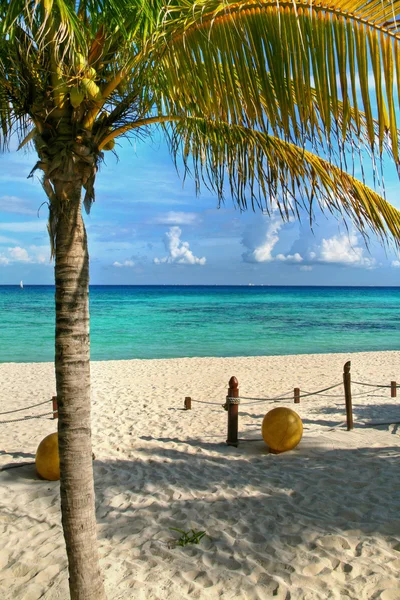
322,521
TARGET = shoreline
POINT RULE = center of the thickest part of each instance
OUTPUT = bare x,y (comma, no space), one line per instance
319,521
241,357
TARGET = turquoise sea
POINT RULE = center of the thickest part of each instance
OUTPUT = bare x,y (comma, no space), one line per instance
176,321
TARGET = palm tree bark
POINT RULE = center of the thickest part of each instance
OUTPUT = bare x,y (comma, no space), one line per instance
73,393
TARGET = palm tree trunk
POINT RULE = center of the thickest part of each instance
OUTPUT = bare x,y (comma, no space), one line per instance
73,393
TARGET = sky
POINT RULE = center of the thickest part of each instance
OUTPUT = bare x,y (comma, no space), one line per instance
147,227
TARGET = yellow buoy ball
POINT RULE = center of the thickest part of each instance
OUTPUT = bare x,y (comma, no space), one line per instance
47,459
282,429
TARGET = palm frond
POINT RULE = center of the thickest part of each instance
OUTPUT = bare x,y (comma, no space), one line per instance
233,59
264,171
50,48
261,92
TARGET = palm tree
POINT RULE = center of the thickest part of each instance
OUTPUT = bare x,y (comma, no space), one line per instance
266,99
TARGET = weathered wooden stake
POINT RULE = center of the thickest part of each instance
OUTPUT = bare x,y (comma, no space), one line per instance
393,389
347,395
233,401
188,403
55,407
297,395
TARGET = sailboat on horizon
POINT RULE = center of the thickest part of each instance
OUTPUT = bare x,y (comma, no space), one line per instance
21,284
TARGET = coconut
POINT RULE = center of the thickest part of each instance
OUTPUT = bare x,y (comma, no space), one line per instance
110,145
92,89
79,61
76,97
91,73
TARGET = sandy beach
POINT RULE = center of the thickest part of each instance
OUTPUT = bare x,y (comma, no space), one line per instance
321,521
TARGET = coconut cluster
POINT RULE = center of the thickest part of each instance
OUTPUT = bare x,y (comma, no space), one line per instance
87,86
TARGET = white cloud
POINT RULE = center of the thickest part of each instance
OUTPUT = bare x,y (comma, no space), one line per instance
16,205
293,258
262,252
396,263
126,263
343,250
18,254
25,227
32,255
178,251
176,218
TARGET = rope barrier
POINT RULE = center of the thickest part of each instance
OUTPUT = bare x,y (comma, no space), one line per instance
233,399
28,418
340,396
8,412
375,385
278,399
203,402
307,394
319,392
275,399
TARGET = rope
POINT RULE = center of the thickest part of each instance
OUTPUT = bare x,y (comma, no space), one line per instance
376,424
325,395
260,400
341,395
277,399
375,385
319,392
7,412
27,418
203,402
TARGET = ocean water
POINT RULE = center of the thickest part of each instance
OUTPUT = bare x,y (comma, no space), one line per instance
177,321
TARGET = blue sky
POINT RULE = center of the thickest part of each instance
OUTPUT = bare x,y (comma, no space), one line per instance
147,228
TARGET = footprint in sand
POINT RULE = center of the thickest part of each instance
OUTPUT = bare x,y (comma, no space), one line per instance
314,569
203,580
20,569
334,542
267,588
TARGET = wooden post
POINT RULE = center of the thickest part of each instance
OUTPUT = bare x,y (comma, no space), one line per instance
55,407
233,412
347,395
188,403
393,389
297,395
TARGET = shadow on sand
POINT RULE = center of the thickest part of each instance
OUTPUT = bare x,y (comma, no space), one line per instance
309,488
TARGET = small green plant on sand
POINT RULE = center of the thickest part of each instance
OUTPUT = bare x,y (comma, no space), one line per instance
188,537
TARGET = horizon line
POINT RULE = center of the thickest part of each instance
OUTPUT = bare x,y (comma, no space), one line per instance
244,285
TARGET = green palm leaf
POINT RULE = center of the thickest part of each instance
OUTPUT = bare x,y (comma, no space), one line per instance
295,71
270,173
215,58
